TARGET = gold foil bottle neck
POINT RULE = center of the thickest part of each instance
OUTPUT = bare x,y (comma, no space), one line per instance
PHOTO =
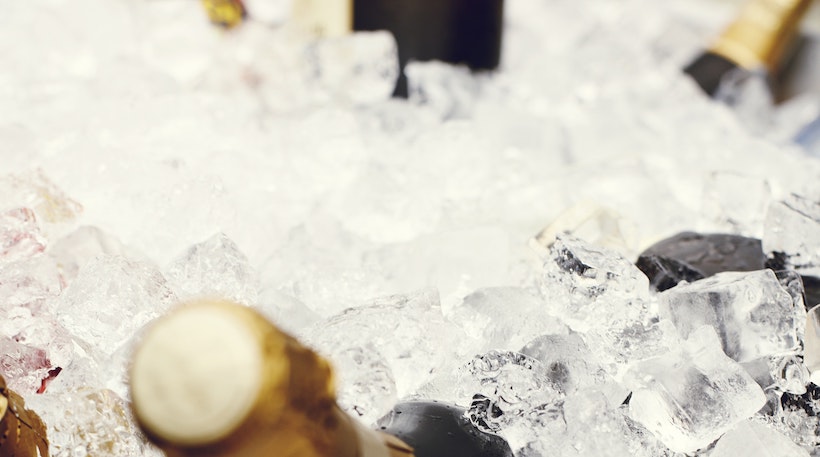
217,379
762,34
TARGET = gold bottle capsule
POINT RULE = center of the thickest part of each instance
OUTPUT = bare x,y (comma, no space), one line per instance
226,13
22,432
217,379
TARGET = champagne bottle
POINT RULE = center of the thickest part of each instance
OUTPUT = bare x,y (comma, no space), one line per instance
22,432
690,256
760,39
216,379
456,31
437,429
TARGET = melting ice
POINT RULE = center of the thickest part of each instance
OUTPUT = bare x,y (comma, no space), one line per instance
148,157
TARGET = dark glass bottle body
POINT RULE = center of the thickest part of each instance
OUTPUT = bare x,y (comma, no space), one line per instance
436,429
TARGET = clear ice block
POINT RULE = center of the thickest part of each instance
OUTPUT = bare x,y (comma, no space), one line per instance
691,396
485,315
751,312
792,227
111,298
407,331
753,439
214,267
20,236
90,422
582,283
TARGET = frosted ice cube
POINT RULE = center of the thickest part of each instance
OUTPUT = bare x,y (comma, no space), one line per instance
112,298
24,367
793,227
582,281
36,191
753,439
368,388
286,311
408,331
74,250
689,397
618,346
85,422
599,225
811,340
741,212
216,267
512,393
361,68
20,235
486,314
567,360
30,283
753,315
447,90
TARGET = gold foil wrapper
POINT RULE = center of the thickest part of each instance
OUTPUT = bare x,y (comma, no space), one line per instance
763,33
226,13
22,432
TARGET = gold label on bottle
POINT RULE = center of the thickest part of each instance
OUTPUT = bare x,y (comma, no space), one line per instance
324,18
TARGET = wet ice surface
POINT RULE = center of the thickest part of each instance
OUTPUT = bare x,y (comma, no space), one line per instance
148,158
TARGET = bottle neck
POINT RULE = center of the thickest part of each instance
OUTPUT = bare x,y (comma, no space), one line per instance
217,379
763,34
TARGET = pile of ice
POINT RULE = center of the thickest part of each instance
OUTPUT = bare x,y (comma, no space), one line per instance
149,157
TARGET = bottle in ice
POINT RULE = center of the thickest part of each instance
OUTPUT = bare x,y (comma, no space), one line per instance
690,256
464,32
437,429
214,378
760,39
22,432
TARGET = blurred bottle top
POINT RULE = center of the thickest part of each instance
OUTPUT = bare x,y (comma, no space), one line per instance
761,38
466,32
225,13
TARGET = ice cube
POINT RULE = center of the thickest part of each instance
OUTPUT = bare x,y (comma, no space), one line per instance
447,90
486,315
215,267
20,236
753,315
408,331
513,394
112,298
85,422
79,247
690,397
34,190
368,389
583,282
599,225
753,439
793,227
567,360
742,213
360,68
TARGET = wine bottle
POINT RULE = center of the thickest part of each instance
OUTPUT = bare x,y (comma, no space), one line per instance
690,256
215,378
22,432
437,429
225,13
465,32
760,39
